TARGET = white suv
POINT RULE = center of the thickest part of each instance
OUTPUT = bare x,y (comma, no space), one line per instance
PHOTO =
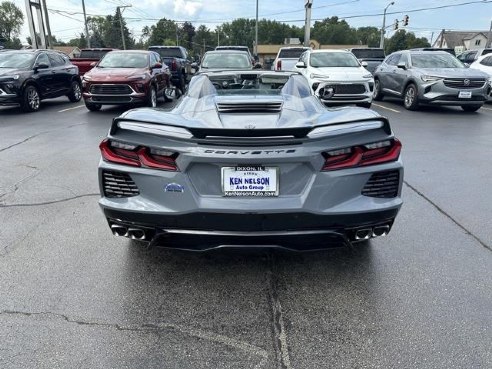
287,57
337,77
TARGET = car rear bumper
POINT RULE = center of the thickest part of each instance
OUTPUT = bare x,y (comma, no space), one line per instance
201,231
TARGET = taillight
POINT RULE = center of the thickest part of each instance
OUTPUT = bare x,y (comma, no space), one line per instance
174,65
138,156
279,64
370,154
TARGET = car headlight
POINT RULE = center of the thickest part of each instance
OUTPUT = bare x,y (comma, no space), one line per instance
369,75
137,78
431,78
314,75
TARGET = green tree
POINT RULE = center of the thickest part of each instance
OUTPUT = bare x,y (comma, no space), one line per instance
11,21
112,32
403,40
332,31
97,28
162,32
273,32
240,31
204,40
369,36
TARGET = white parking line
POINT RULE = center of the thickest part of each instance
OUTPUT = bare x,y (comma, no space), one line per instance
77,107
384,107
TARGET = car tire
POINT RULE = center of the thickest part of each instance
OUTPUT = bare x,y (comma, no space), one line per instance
152,97
377,94
93,107
31,101
75,92
411,97
364,105
470,108
180,88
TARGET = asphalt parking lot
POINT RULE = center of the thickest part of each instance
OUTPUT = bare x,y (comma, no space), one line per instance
74,296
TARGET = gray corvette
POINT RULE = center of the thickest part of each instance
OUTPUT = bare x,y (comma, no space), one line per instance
250,158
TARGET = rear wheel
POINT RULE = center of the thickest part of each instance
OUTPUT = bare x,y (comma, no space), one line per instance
31,101
377,94
75,92
93,107
410,97
471,108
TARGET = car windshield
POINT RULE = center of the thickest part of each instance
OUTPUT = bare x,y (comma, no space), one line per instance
250,84
16,60
226,60
431,60
124,60
333,60
168,52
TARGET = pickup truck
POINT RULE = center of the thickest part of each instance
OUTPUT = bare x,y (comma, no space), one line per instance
287,57
373,56
176,58
88,58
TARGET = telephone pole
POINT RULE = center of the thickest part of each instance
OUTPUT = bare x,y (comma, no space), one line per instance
121,23
85,23
307,24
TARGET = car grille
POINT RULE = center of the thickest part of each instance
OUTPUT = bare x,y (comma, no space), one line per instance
117,184
382,185
464,83
348,89
111,89
267,107
112,99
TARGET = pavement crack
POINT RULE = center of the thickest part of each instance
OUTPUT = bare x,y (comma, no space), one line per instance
449,216
278,326
39,134
156,328
48,202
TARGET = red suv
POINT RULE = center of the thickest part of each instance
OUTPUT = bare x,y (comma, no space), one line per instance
126,77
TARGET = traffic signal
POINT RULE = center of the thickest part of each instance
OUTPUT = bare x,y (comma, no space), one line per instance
395,26
405,20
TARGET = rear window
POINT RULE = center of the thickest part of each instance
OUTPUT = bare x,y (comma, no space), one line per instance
368,53
169,52
487,51
291,53
93,54
241,48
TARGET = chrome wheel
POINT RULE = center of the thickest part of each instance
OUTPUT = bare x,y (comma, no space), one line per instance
377,86
77,94
410,97
152,98
33,99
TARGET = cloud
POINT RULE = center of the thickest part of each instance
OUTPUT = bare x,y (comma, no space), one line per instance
187,8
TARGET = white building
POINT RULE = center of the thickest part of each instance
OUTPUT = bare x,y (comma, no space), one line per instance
463,40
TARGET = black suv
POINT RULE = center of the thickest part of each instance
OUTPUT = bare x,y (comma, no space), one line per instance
29,76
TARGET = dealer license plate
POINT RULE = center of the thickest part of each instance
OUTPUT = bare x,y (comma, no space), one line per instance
465,95
250,180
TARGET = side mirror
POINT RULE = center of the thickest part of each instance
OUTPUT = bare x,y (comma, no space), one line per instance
41,66
300,64
194,65
157,65
364,64
402,65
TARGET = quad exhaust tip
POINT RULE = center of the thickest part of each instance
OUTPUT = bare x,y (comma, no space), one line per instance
119,230
136,234
133,233
367,233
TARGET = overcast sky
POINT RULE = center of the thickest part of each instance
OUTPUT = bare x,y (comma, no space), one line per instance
66,19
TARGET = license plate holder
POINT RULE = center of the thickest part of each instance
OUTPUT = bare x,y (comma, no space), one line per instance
465,95
250,181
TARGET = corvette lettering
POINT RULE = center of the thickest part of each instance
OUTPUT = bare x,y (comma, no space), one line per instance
250,152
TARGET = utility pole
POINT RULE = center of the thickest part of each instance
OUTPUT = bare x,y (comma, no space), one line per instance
218,36
48,29
255,51
307,23
121,23
489,40
442,38
85,23
383,29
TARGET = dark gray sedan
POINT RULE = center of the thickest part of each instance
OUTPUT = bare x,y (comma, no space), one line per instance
430,77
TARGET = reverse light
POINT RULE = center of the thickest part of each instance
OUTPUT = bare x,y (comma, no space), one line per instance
357,156
138,156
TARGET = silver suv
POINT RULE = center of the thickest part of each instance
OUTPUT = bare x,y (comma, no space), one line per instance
430,77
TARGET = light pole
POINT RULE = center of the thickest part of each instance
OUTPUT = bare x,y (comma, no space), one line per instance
307,23
256,32
381,43
121,23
